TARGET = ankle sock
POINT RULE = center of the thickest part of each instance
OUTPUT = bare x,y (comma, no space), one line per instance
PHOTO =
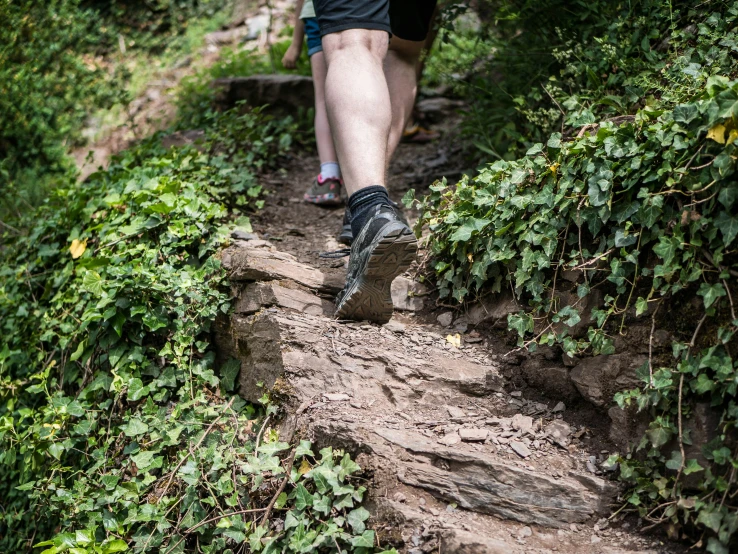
330,170
361,203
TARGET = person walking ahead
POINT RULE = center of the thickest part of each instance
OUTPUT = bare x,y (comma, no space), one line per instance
370,90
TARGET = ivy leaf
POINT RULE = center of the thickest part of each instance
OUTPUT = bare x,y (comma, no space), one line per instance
356,519
728,226
366,540
322,503
117,545
56,450
535,149
290,521
641,306
692,466
135,427
348,466
666,249
303,498
703,384
658,436
469,226
710,293
143,459
728,196
228,373
714,546
304,449
710,518
93,283
685,113
675,462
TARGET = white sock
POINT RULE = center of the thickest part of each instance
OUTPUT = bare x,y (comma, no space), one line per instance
330,170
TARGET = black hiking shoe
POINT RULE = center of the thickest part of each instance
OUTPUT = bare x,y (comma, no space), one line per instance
384,249
346,236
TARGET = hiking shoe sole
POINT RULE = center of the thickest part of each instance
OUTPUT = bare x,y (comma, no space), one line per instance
369,296
326,200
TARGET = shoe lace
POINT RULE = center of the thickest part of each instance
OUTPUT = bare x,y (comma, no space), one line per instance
341,253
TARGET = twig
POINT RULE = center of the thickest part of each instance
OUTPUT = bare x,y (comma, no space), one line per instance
563,113
632,289
216,518
282,485
593,260
730,299
650,344
697,330
681,438
205,434
16,231
258,437
707,255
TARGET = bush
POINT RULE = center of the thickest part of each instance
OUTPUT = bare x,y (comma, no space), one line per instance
115,432
636,192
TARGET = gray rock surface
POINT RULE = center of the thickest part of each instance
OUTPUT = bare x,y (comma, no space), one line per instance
286,92
285,294
598,378
481,483
256,264
404,293
492,308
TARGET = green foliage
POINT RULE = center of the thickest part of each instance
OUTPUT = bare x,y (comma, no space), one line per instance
635,194
47,85
63,61
559,64
196,95
116,434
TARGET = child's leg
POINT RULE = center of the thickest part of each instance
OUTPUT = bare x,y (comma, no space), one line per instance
323,136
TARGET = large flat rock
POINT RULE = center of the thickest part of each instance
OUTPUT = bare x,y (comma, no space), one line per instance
259,264
281,91
485,484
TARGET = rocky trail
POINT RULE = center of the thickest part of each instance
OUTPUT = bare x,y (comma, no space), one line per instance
467,444
465,448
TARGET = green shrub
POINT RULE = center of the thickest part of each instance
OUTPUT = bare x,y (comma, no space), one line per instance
637,193
47,84
116,433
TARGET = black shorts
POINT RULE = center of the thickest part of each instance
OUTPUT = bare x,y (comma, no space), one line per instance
406,19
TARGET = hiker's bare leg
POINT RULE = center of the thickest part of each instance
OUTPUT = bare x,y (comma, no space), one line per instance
400,70
358,104
323,137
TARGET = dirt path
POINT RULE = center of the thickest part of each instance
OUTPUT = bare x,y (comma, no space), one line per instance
460,459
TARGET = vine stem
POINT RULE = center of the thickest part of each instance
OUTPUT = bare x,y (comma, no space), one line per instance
730,299
216,518
632,288
679,410
681,437
261,432
282,485
205,434
650,344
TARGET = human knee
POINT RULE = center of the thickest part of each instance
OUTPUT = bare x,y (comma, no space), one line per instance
370,42
407,51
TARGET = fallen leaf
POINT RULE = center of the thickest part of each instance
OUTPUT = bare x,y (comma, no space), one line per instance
717,133
304,467
553,168
78,248
454,340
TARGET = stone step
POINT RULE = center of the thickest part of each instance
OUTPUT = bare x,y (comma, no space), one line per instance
455,463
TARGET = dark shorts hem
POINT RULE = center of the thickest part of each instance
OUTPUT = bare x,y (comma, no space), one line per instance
354,24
